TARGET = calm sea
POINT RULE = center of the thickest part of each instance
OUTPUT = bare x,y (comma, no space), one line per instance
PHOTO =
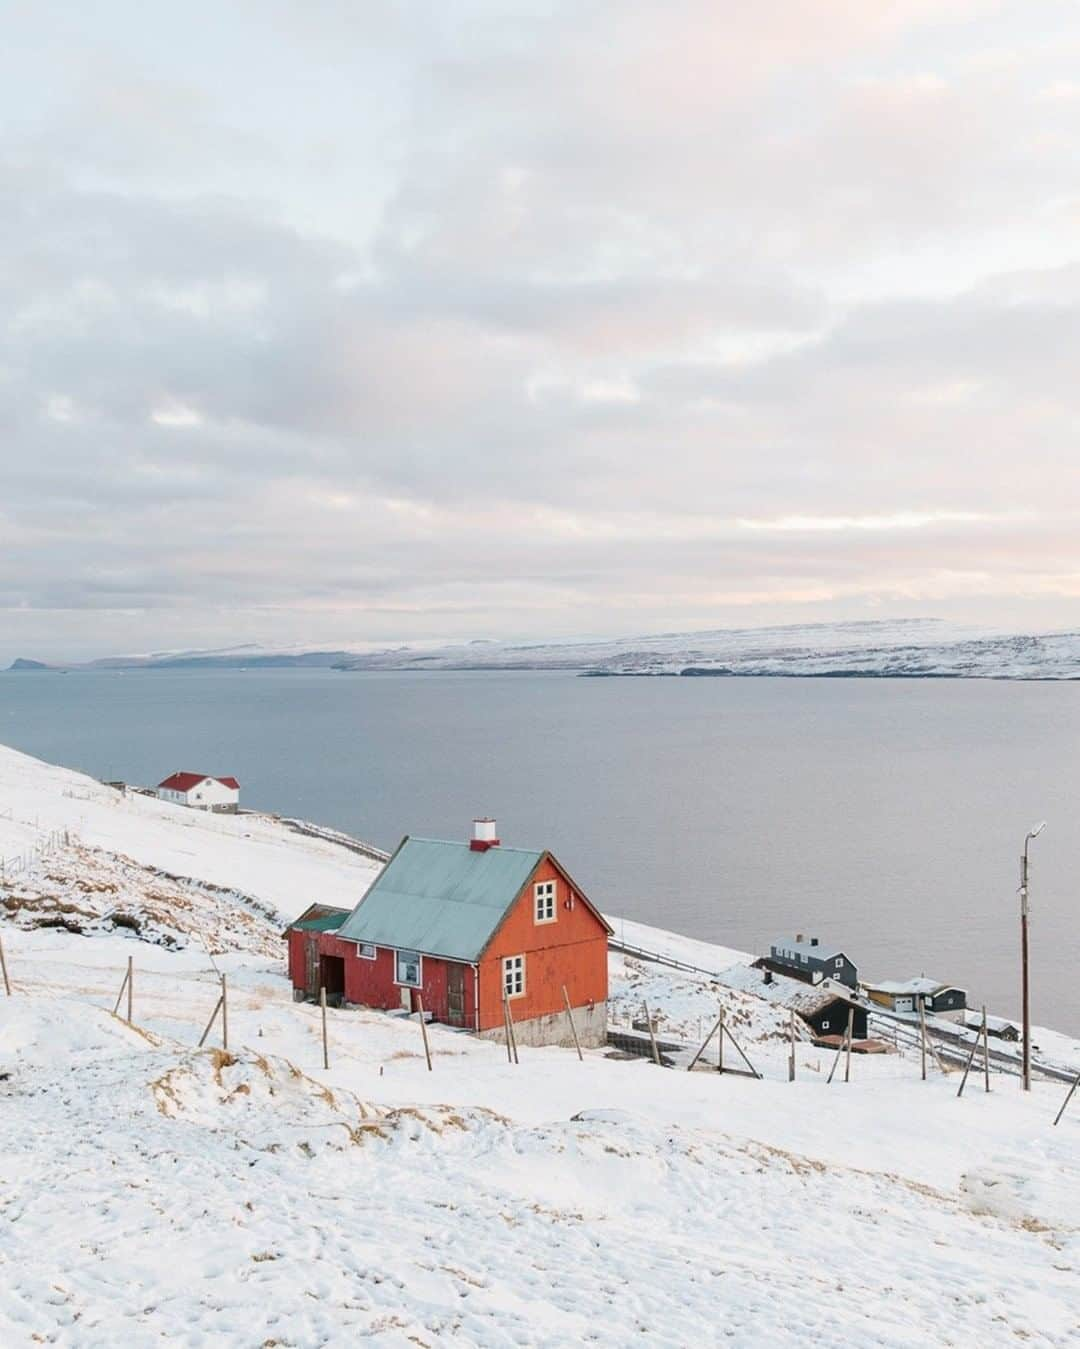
884,815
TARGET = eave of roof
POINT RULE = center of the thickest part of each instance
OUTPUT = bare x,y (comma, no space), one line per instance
184,781
905,987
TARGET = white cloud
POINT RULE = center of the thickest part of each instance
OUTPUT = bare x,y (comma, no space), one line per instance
836,524
545,314
175,414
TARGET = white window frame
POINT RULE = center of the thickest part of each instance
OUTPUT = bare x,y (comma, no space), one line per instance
365,951
513,976
839,962
405,983
545,896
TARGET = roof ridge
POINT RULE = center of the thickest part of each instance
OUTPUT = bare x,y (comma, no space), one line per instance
441,897
464,843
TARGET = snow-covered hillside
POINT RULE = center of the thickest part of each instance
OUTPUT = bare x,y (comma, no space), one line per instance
908,648
913,648
153,1192
65,839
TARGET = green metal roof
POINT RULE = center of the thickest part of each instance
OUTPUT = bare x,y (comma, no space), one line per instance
442,899
326,923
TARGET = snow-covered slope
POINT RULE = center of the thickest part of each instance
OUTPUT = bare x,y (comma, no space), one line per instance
251,1197
62,833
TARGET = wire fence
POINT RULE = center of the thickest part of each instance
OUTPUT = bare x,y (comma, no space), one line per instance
14,866
175,1003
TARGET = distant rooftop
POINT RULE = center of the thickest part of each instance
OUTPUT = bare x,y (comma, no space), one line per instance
900,987
183,782
787,946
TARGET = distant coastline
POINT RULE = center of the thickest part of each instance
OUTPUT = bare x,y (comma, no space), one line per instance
902,649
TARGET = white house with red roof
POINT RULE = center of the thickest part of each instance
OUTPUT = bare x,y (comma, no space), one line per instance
200,792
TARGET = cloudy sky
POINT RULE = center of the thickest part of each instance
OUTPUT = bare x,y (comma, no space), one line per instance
344,322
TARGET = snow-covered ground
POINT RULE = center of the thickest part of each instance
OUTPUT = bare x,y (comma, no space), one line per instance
48,815
152,1192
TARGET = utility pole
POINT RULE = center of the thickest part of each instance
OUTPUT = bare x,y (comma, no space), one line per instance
1025,994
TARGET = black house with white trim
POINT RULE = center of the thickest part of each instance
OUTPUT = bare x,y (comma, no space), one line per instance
811,962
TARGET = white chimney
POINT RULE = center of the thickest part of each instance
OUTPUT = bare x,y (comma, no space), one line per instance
484,835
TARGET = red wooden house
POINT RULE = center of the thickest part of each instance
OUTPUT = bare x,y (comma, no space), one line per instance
459,924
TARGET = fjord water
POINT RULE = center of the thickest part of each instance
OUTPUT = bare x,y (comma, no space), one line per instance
884,815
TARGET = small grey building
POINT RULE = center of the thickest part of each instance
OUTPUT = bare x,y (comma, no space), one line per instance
811,962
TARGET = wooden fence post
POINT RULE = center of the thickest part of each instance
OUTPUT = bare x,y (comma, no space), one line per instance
224,1015
986,1048
836,1060
322,1009
850,1031
423,1030
210,1023
130,986
791,1054
922,1035
753,1071
1065,1103
570,1018
652,1034
3,969
123,990
506,1029
705,1042
967,1066
510,1024
720,1047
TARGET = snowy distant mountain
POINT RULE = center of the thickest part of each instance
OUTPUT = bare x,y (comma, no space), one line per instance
909,648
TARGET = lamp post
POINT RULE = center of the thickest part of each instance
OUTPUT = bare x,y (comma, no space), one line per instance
1032,833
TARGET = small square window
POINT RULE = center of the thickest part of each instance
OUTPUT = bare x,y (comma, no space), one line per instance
365,951
544,902
839,962
407,967
514,976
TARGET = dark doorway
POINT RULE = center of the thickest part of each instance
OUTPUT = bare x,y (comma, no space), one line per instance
455,995
332,974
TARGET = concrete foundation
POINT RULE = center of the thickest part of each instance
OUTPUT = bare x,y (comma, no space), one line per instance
554,1029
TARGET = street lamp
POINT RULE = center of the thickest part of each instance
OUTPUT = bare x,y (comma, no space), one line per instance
1034,832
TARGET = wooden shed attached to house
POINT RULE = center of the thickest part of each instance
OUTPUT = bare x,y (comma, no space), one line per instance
308,969
459,924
